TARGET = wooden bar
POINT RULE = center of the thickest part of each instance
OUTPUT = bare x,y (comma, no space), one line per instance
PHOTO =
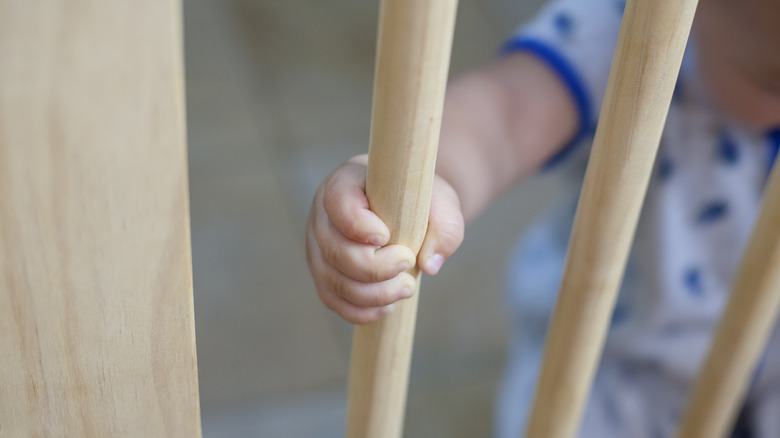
413,53
744,329
646,64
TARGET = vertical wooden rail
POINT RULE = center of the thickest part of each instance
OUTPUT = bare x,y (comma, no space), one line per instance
744,329
96,314
413,52
646,64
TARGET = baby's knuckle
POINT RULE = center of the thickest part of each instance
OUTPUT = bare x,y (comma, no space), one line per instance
330,198
451,233
332,254
351,226
328,299
381,297
318,267
374,273
338,285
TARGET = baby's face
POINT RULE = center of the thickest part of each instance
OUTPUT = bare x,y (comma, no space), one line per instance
738,47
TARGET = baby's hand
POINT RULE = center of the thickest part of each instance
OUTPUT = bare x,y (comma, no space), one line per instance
356,273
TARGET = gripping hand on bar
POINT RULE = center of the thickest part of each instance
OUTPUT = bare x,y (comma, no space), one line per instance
357,273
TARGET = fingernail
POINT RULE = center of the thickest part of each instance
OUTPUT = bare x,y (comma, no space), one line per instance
387,309
434,263
406,292
404,266
375,240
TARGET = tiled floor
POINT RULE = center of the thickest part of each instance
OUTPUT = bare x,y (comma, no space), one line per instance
279,93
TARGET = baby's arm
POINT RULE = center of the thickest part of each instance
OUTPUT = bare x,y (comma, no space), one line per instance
500,123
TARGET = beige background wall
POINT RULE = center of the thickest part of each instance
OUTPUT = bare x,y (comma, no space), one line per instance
279,93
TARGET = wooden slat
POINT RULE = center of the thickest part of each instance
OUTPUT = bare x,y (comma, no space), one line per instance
96,314
413,55
647,61
744,330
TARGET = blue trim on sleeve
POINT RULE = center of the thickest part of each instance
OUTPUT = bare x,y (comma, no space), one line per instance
774,147
570,78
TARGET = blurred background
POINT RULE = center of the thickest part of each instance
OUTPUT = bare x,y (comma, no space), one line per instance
279,93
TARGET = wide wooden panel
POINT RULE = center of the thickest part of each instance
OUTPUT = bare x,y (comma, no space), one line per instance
96,314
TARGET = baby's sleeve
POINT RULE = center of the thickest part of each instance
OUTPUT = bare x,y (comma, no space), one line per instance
576,39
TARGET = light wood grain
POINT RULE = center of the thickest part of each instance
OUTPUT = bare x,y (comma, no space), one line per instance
646,64
96,313
413,52
744,329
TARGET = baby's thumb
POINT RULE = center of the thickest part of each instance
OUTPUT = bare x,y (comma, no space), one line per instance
445,228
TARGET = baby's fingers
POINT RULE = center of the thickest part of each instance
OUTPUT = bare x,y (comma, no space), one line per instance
345,203
445,228
362,262
351,312
328,280
372,294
